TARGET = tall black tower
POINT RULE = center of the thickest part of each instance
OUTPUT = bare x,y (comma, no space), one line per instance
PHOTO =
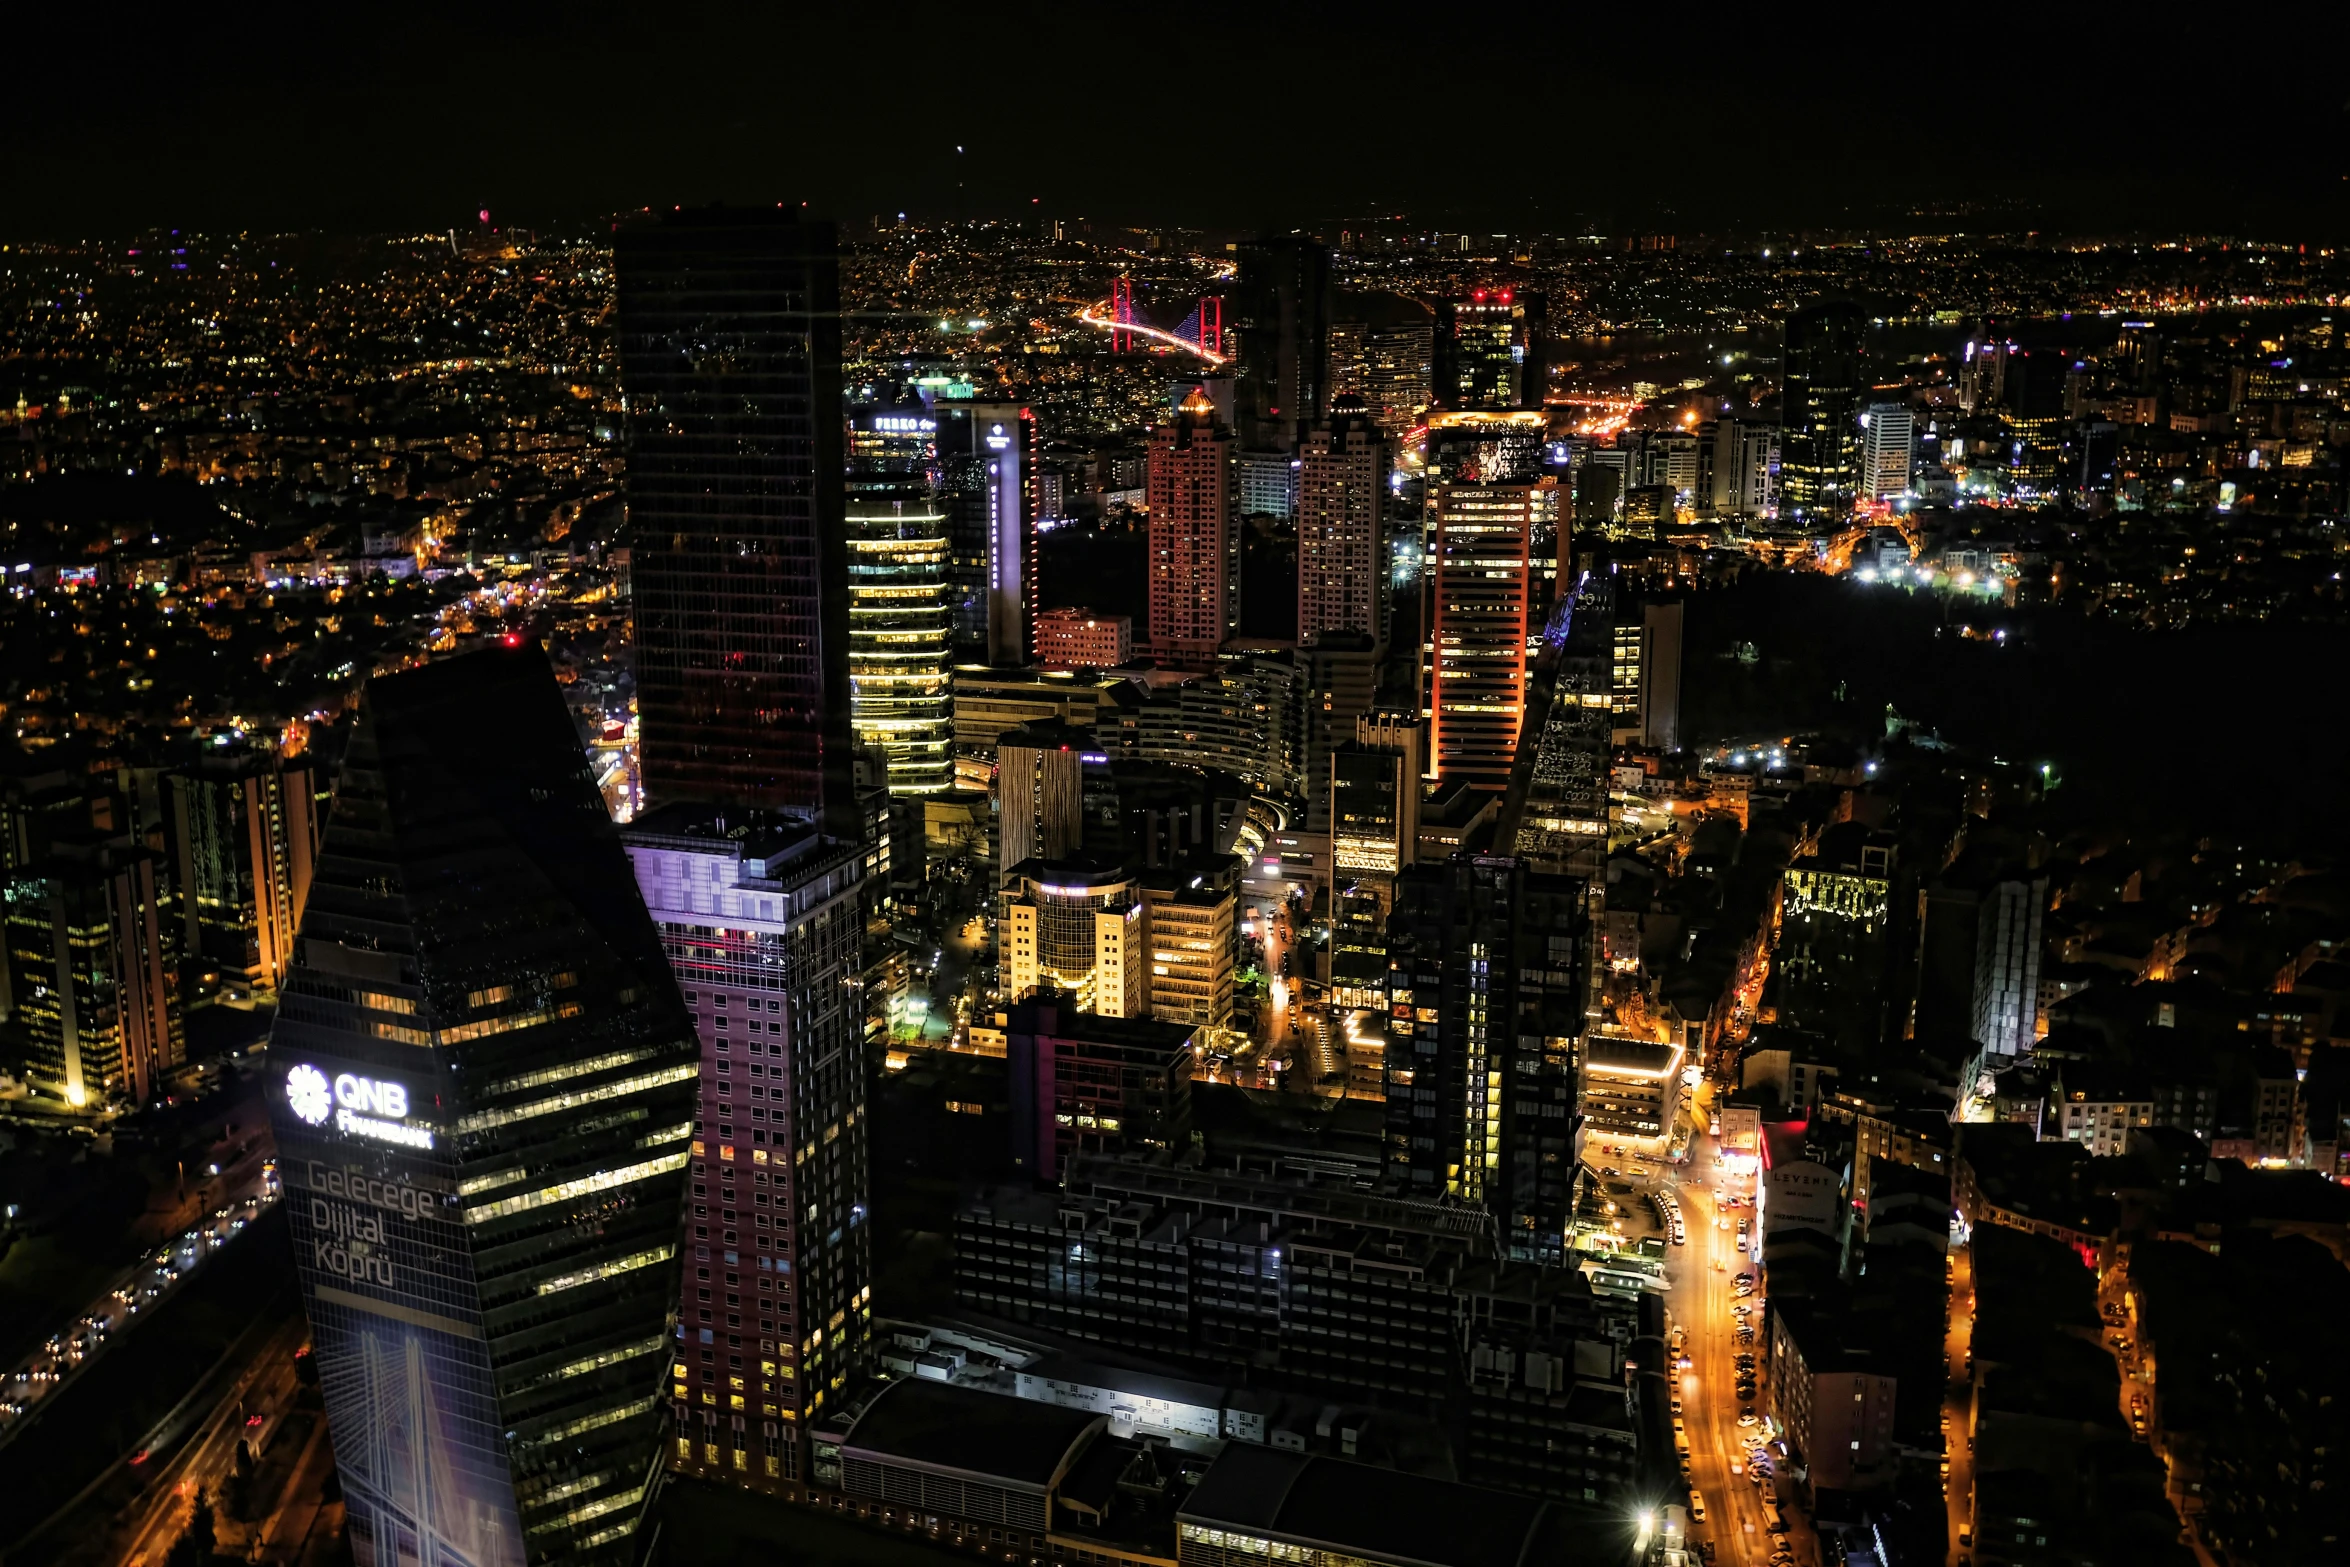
730,360
1819,447
1488,957
1281,316
483,1094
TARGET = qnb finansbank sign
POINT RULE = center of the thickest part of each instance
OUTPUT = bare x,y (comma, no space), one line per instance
369,1107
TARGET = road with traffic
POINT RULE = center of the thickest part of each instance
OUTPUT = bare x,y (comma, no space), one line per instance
1717,1304
247,1187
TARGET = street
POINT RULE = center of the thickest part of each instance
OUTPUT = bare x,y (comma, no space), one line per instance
1704,1304
247,1188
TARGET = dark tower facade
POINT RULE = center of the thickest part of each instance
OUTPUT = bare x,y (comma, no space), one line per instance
483,1093
1819,442
1487,957
730,359
1281,319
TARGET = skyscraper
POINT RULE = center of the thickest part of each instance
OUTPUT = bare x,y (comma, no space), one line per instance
1556,813
730,361
1888,446
1745,467
1490,508
1819,443
1279,315
1486,957
95,1005
761,918
245,827
899,634
988,467
1194,550
483,1101
1040,790
1383,350
1077,927
1342,577
1490,350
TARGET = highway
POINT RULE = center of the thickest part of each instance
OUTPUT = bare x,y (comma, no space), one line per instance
247,1187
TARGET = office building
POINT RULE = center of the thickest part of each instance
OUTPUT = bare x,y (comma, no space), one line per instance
482,1095
1246,716
1278,331
893,448
1829,972
1490,350
1264,484
1342,576
735,474
1486,960
1556,811
1328,1295
987,456
1081,639
1629,1088
1040,791
1081,1083
1375,799
1191,908
900,627
1888,450
1076,927
1383,351
1194,548
244,826
762,920
1645,676
2006,1012
1484,562
989,701
1264,1504
1745,468
1819,438
94,1000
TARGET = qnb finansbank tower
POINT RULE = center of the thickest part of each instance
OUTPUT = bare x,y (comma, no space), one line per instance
483,1092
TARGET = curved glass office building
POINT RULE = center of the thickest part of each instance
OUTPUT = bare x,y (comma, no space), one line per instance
900,625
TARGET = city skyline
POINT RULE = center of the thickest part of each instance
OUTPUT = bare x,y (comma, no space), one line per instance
1581,813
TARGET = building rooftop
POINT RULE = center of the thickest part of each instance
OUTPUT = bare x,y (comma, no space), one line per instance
1382,1515
962,1430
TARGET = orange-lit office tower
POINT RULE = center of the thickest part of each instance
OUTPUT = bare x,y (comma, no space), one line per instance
1487,515
1195,553
1342,582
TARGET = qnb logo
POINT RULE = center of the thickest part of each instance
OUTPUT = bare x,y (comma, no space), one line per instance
307,1094
360,1106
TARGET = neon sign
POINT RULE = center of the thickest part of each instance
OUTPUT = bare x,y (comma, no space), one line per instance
367,1107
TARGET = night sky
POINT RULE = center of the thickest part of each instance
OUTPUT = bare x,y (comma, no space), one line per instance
1535,117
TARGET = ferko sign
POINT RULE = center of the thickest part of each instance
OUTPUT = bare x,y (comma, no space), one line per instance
374,1108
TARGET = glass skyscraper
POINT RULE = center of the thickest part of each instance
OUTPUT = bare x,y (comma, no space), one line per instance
900,632
1819,446
730,361
483,1094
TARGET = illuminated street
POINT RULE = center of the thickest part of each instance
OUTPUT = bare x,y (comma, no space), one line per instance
1705,1305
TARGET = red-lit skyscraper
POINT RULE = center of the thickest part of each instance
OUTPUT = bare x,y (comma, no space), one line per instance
1194,552
730,359
1342,582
